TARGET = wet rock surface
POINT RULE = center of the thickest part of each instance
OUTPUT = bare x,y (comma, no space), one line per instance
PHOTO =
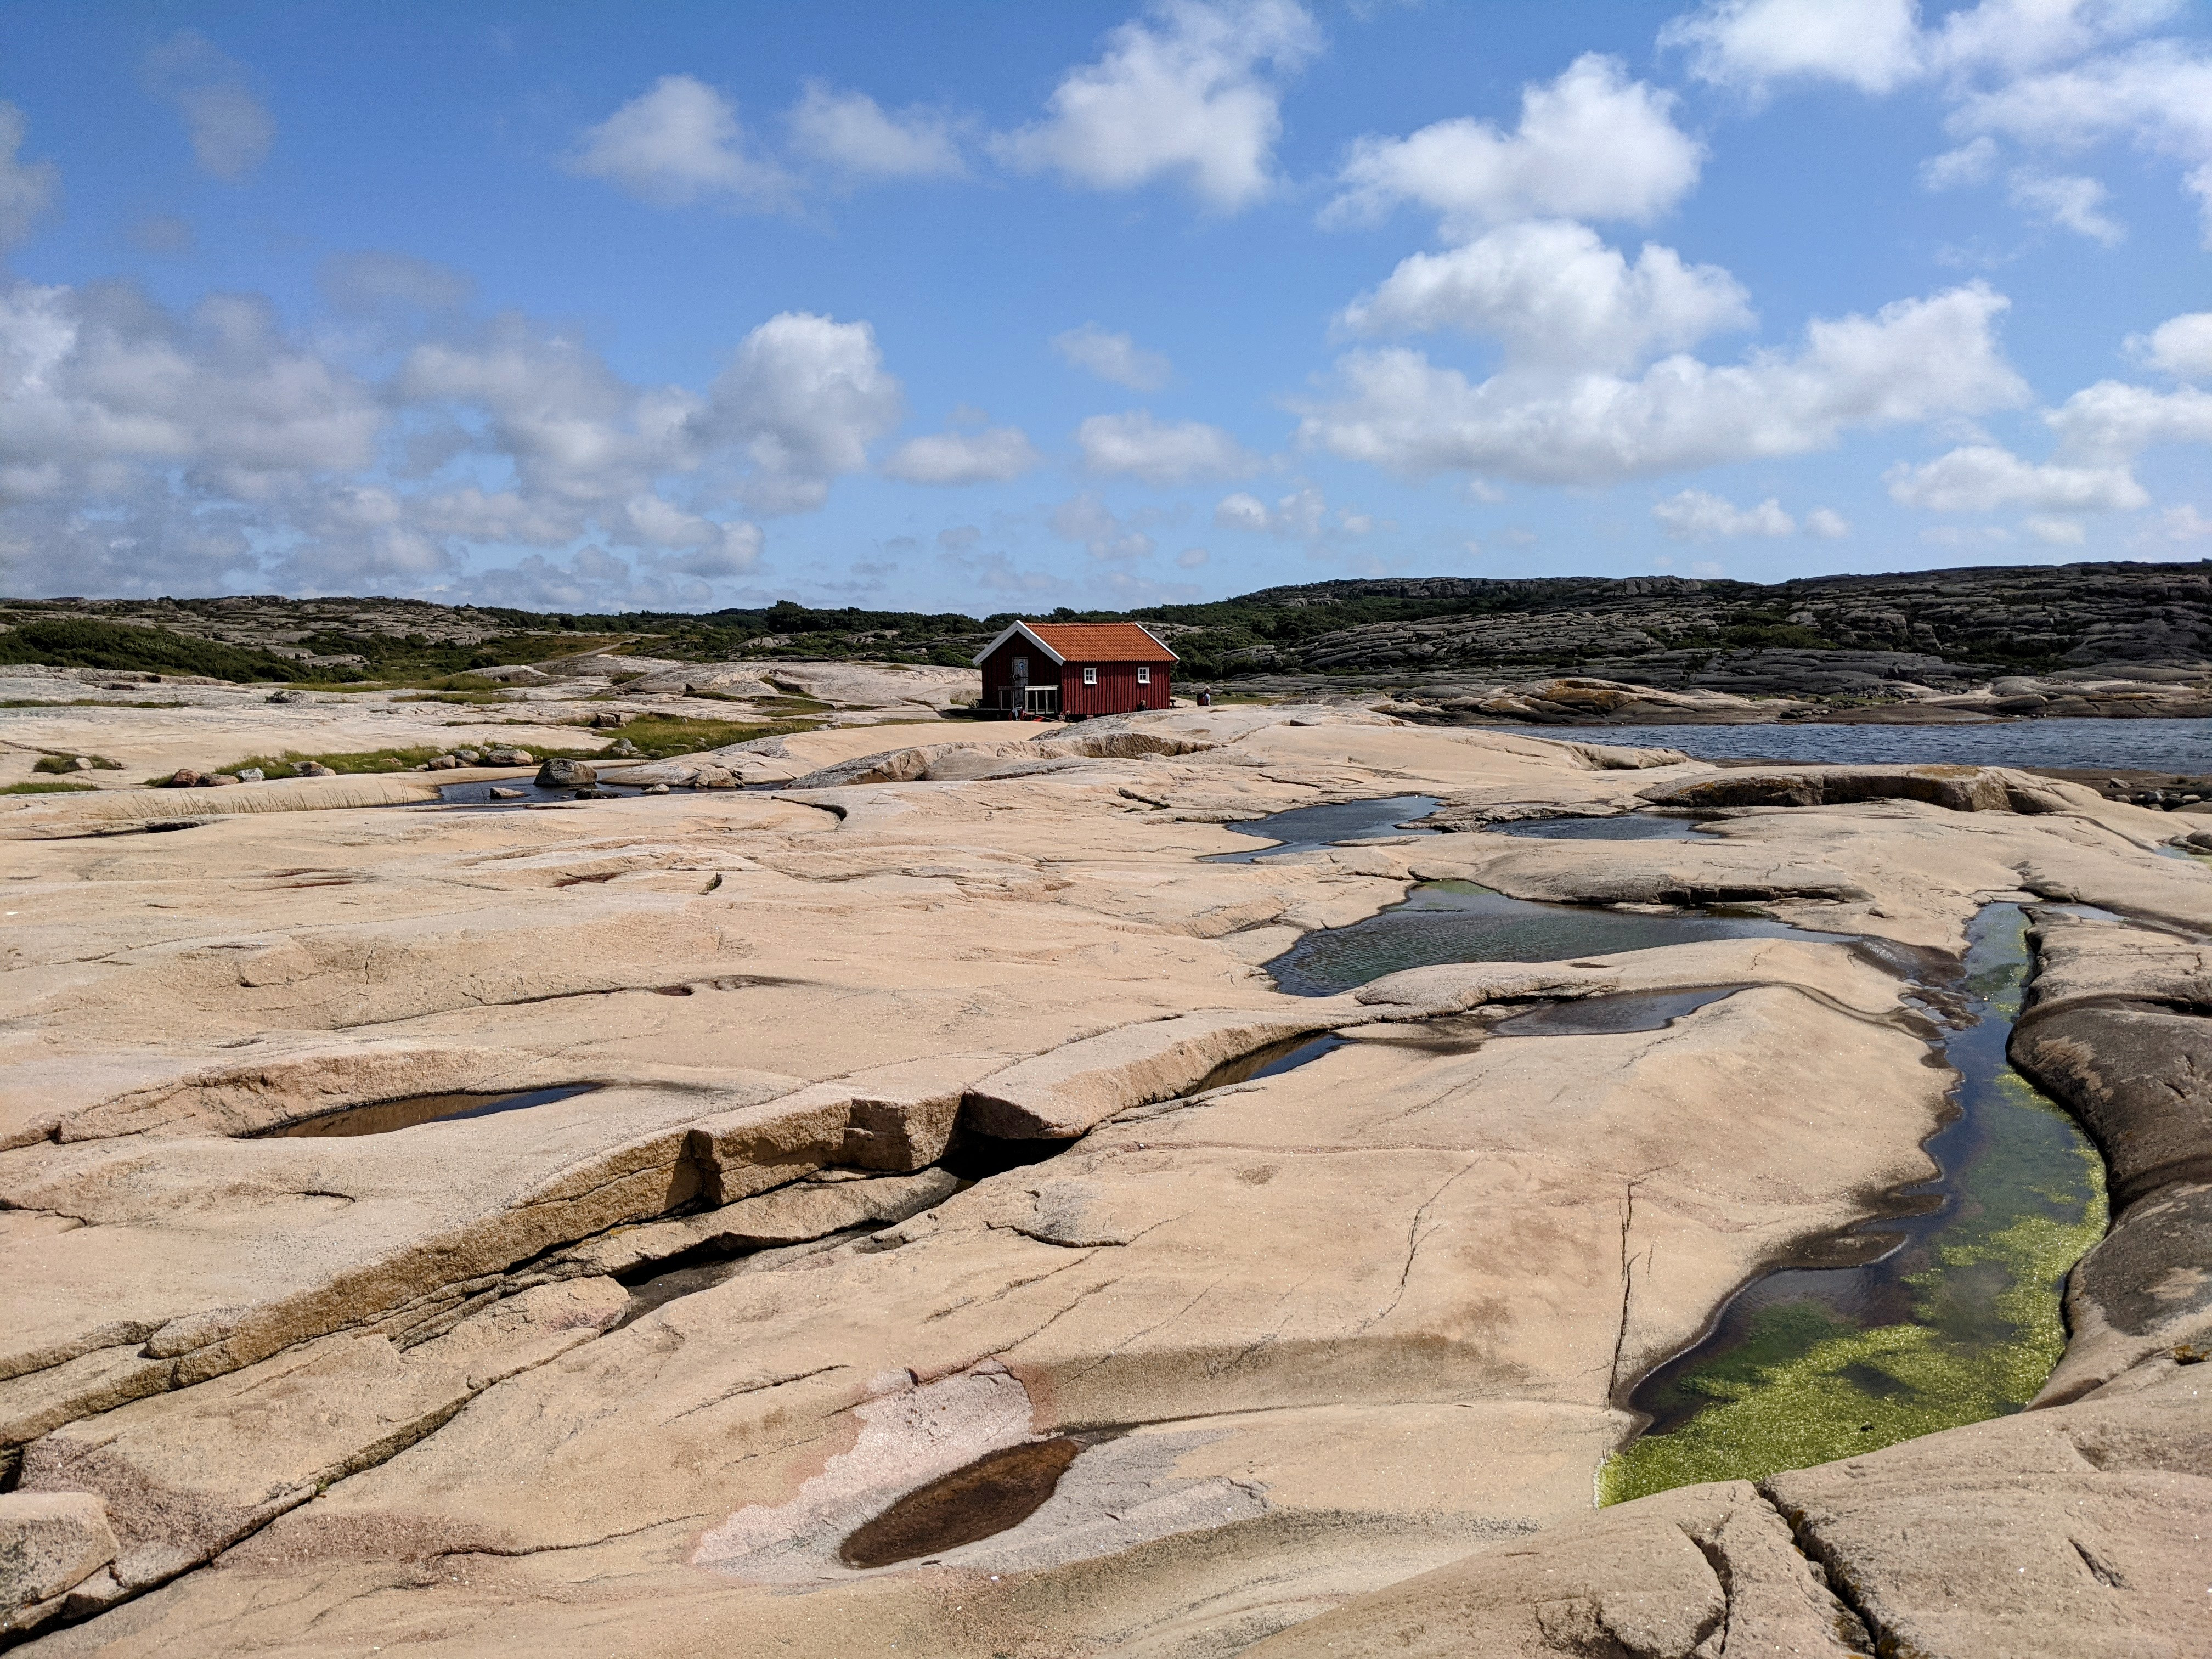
920,1203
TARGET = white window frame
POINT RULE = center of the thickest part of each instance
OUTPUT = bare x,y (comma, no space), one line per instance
1090,676
1143,674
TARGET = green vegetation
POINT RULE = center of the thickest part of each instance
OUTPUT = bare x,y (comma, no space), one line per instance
86,642
55,761
1806,1386
39,788
658,736
654,738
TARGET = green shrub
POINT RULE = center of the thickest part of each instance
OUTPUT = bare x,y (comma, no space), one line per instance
84,643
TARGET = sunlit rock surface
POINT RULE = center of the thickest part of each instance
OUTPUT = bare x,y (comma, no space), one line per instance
907,1275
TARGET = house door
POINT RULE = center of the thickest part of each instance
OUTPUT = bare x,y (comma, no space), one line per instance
1041,699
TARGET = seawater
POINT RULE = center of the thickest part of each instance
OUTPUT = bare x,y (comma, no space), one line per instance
2183,746
1955,1317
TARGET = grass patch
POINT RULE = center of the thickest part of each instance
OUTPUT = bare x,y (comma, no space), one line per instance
55,761
84,642
657,736
37,789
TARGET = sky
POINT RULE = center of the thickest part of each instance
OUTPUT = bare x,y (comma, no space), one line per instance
589,306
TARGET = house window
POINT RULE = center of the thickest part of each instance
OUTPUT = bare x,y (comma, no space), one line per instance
1021,668
1090,676
1143,676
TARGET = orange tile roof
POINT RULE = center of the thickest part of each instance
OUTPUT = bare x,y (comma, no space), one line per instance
1101,641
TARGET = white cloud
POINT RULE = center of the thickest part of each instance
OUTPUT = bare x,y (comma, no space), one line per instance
1592,144
1192,558
1104,535
360,284
27,188
2055,531
1982,478
803,396
1873,45
1303,516
2066,200
2113,422
1828,524
963,458
1137,445
1115,357
2158,94
1877,45
1552,292
1913,361
1971,163
2182,346
230,131
1698,515
2182,523
853,134
1194,92
675,142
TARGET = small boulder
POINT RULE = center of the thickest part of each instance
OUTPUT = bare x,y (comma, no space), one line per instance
608,718
713,777
185,778
467,757
81,763
567,775
508,757
217,779
251,774
498,793
654,789
312,769
621,746
288,695
445,763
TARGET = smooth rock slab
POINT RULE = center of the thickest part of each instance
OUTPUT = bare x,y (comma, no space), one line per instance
50,1543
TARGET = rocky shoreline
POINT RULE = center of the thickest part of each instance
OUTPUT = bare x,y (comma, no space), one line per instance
881,1136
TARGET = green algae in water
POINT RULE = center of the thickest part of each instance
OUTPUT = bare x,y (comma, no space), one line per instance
1960,1322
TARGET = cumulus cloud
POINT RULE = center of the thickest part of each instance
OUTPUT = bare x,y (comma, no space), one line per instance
1115,357
141,451
362,283
2113,422
1878,45
2182,346
2158,94
676,143
963,458
1593,144
27,188
803,396
1982,478
1552,292
1303,515
1972,163
1873,46
849,132
230,129
1698,515
1914,360
1192,92
1828,524
1104,534
2067,200
1136,444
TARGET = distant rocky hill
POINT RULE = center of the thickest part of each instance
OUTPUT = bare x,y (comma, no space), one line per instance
1849,637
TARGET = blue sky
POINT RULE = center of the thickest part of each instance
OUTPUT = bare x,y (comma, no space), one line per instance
596,307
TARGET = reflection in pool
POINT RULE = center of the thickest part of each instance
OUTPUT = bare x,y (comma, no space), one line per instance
1444,921
1307,829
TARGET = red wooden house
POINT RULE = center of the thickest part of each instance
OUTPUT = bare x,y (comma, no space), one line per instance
1074,670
